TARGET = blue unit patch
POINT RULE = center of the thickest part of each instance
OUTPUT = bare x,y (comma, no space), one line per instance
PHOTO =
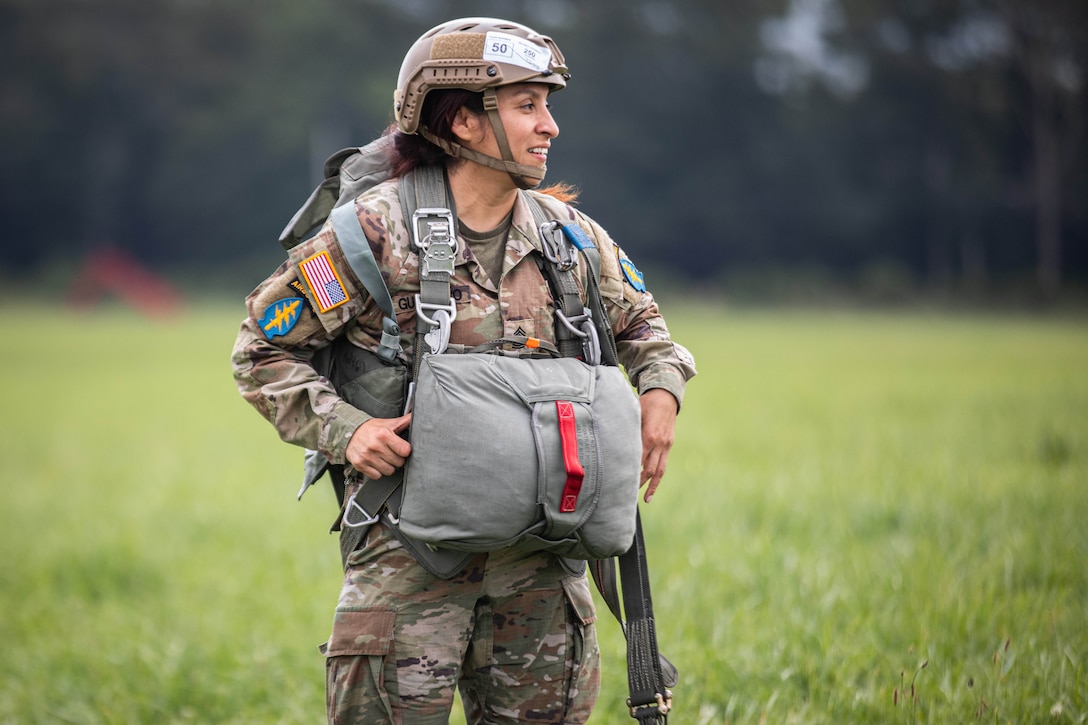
577,236
279,317
634,277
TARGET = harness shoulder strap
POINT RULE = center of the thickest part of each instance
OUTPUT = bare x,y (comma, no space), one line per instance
431,219
585,322
581,241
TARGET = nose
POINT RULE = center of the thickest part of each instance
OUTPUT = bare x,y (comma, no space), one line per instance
547,125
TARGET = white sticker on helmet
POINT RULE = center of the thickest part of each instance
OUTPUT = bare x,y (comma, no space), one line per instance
504,48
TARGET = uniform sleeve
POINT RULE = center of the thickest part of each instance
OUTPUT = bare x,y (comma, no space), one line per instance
301,308
646,350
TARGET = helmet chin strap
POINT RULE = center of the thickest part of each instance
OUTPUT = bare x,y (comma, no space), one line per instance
523,176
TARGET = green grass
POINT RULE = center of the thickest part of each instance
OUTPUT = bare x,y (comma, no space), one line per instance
850,496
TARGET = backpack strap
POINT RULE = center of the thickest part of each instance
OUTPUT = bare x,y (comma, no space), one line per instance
356,248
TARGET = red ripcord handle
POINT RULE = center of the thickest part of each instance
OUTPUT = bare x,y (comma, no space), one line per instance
568,435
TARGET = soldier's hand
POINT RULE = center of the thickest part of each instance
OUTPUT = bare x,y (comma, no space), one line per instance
659,410
376,448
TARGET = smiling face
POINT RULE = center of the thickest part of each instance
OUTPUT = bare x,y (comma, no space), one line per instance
526,120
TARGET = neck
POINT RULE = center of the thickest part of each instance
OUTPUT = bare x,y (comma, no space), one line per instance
483,196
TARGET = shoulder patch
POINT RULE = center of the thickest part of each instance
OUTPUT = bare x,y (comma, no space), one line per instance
297,286
280,316
632,275
324,281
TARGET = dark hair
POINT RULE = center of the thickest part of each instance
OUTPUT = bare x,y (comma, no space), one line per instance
439,110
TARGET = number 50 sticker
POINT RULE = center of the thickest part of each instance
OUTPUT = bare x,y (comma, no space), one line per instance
511,49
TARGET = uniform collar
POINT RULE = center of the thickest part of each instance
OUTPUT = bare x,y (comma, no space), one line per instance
522,241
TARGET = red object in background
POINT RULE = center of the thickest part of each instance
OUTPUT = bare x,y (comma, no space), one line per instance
115,273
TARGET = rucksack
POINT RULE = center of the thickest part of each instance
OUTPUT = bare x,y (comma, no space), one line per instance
352,171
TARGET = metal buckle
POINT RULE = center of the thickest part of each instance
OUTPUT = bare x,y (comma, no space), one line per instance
591,344
586,331
438,337
438,245
555,247
662,702
353,504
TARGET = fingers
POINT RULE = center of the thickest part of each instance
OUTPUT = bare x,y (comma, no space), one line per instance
653,470
376,448
659,410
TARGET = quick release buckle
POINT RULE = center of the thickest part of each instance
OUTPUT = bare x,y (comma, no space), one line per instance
439,320
435,242
555,247
433,237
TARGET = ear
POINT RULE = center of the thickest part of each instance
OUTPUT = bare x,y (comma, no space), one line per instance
467,126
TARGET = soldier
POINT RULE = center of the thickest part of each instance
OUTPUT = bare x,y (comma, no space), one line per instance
512,630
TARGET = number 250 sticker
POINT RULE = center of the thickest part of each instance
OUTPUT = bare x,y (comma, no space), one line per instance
511,49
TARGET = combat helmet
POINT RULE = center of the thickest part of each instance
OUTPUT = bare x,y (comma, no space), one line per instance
480,55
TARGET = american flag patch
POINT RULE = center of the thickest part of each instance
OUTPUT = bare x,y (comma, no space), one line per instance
324,282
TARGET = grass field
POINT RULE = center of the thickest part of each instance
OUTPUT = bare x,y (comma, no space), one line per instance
868,518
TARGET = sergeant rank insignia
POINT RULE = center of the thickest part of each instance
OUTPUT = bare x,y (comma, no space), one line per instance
634,277
324,281
279,317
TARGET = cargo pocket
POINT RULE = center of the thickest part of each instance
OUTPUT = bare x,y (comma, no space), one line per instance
361,632
583,658
358,678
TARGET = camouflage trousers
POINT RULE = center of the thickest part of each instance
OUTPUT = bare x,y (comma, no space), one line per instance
512,632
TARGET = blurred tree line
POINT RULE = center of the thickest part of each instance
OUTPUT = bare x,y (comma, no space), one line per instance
915,144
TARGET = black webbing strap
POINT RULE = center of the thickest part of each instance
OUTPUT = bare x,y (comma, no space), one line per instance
362,510
561,280
609,355
649,673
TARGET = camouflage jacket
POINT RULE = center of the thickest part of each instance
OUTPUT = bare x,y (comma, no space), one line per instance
287,322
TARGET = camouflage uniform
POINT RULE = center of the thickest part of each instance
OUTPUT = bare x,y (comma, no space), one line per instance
514,631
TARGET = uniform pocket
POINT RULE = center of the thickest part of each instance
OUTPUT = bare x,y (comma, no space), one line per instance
581,601
360,678
583,657
361,632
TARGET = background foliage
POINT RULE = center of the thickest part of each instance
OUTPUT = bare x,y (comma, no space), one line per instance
889,146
